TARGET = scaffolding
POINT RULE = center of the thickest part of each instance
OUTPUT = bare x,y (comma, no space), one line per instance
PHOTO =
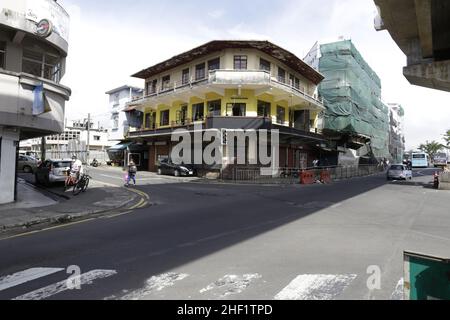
352,95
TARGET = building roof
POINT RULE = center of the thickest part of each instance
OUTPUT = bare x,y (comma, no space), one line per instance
267,47
123,88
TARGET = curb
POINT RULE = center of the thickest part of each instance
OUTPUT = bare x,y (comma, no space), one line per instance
62,219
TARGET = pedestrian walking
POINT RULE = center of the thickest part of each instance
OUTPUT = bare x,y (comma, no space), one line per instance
131,174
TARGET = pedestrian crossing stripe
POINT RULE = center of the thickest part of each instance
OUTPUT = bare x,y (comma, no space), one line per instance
58,287
303,287
315,287
25,276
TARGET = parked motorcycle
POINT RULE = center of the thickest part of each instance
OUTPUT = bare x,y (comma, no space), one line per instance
95,163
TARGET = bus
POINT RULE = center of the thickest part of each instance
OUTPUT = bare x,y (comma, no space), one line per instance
440,159
420,160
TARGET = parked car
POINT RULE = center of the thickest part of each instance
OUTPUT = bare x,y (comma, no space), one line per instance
166,166
51,171
399,172
26,164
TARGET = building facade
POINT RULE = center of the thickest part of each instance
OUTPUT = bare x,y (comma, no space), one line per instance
33,50
73,141
396,132
118,98
229,85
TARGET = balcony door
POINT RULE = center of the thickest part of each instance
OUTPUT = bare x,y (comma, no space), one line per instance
182,115
301,120
236,109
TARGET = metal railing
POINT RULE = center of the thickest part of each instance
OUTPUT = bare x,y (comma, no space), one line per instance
229,77
293,175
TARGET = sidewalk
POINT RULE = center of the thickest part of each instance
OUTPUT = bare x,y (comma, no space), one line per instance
36,210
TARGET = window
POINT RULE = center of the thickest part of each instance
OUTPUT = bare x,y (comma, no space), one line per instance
151,87
236,109
264,65
281,75
185,77
200,71
165,83
214,64
240,62
215,108
263,109
198,111
294,81
96,138
2,54
149,121
41,65
115,122
281,114
164,118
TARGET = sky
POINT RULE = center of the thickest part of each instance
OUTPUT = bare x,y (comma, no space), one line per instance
111,40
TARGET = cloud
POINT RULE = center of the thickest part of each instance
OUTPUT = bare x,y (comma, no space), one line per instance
216,14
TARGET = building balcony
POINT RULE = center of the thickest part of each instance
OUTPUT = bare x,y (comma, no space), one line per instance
222,122
218,80
35,112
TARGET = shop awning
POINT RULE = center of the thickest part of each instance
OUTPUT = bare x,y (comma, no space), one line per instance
121,146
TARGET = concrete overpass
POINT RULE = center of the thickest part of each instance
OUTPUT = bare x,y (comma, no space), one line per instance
421,28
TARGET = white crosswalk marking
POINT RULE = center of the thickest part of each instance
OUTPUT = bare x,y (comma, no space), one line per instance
315,287
25,276
156,283
51,290
231,284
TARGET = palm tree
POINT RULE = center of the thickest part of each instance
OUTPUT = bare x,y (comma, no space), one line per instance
431,148
447,138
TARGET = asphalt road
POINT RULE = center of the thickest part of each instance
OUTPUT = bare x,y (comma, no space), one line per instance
211,241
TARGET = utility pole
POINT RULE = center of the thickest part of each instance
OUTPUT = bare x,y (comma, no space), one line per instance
43,149
88,138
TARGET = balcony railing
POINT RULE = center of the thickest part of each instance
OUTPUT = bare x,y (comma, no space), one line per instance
220,122
233,77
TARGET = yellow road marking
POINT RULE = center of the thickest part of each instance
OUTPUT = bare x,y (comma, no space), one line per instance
48,229
137,205
141,204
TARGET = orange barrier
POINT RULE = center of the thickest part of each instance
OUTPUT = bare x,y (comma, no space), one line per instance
325,176
307,177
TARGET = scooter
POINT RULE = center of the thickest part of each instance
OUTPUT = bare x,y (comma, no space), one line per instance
95,163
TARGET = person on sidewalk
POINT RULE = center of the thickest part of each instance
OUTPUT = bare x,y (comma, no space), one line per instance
132,170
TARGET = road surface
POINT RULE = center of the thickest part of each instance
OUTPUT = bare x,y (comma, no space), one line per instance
219,241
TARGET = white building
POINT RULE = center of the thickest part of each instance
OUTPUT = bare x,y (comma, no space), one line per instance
33,50
73,141
118,98
396,132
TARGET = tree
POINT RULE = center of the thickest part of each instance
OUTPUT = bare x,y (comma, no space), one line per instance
447,138
431,148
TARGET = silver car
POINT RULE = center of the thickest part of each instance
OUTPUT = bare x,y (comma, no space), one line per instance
26,164
399,172
51,171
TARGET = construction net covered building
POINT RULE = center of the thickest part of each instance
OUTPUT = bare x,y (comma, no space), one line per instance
352,95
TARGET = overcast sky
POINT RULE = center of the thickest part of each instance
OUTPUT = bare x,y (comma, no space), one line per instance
110,40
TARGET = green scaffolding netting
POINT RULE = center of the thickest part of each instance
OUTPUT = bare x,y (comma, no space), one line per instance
352,94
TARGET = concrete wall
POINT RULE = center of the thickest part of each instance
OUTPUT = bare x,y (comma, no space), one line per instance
8,140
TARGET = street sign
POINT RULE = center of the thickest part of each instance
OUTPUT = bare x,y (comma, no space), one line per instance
426,277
